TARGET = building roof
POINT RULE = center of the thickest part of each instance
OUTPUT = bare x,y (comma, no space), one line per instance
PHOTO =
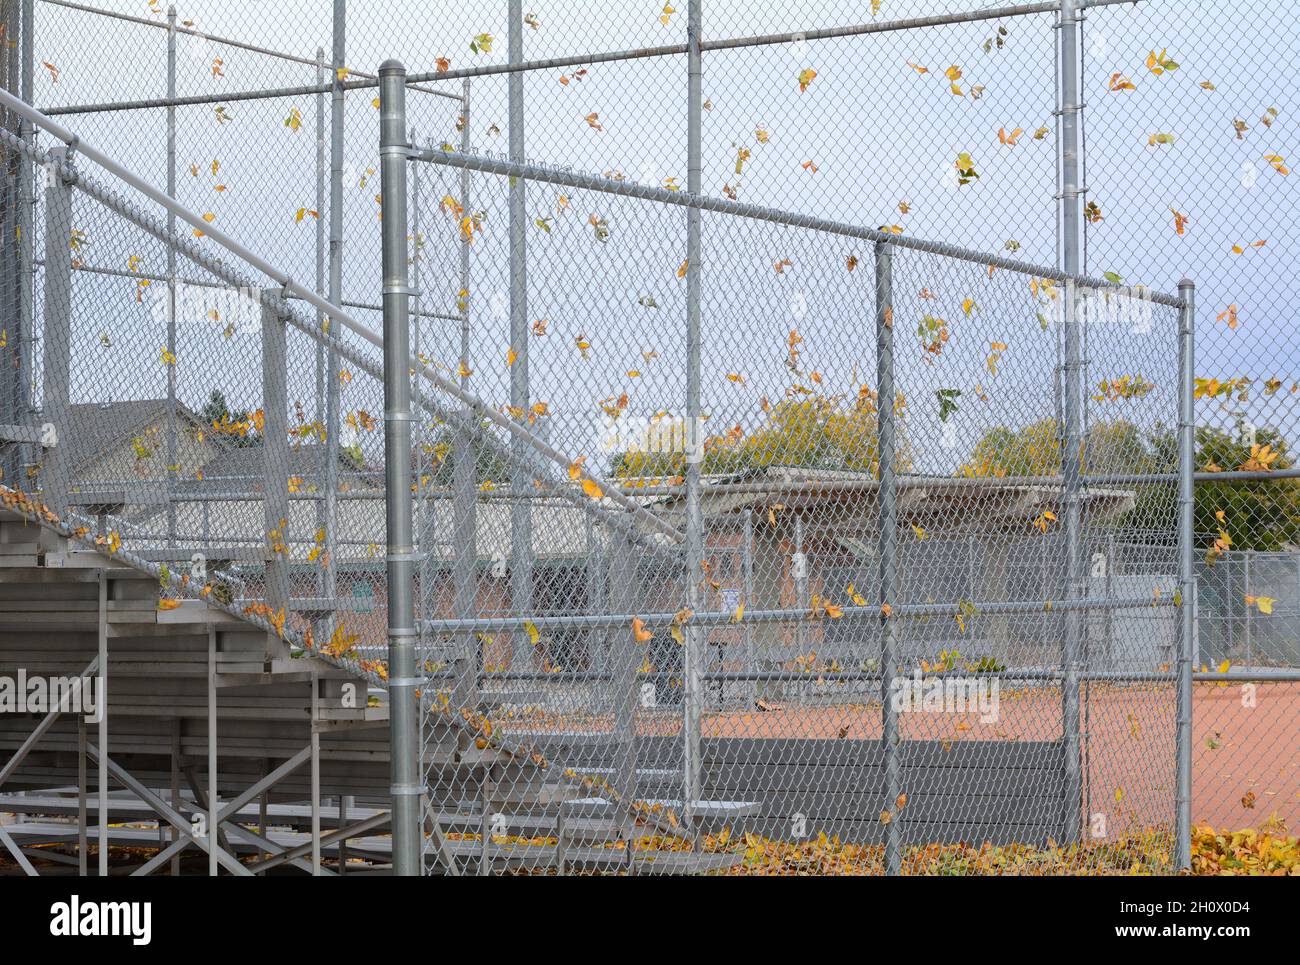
243,463
100,427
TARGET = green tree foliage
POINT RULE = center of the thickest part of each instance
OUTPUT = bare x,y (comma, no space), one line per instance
436,461
1258,516
815,432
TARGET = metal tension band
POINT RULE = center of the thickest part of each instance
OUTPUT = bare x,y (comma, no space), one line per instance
401,290
405,790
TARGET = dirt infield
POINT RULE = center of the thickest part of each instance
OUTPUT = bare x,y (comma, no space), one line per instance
1245,758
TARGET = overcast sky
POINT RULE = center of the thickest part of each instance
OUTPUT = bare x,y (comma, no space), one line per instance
871,131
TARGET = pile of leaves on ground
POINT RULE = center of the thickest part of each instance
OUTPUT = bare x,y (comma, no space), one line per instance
1266,851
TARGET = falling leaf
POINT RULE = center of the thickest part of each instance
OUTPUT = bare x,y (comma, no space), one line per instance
1277,161
639,632
806,77
1180,222
966,172
1161,63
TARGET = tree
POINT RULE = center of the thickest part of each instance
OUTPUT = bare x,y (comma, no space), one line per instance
1115,446
239,428
436,460
813,432
1261,515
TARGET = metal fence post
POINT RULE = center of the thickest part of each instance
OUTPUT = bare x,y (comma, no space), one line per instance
57,335
26,197
404,746
888,548
275,454
171,471
1070,430
624,661
464,509
521,516
696,637
10,270
333,419
1186,572
424,521
322,371
1247,587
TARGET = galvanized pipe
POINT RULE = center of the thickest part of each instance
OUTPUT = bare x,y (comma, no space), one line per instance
684,199
171,441
333,417
26,212
898,611
887,547
1071,428
464,510
521,518
696,637
407,787
1186,571
57,334
323,374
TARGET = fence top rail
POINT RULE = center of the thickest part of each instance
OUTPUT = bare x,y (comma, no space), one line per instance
762,40
370,81
489,164
181,28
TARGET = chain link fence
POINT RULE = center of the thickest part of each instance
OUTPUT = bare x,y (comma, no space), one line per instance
742,719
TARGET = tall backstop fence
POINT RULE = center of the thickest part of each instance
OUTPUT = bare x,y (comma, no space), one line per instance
744,520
